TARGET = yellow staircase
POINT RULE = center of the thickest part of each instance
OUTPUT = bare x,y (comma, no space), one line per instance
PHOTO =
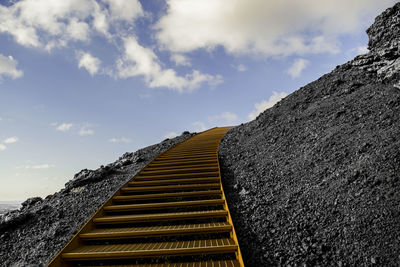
172,213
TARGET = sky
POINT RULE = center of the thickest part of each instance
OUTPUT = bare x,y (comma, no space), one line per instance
84,81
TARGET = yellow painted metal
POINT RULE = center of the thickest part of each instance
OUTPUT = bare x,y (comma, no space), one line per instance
233,233
167,195
170,182
225,263
135,232
142,250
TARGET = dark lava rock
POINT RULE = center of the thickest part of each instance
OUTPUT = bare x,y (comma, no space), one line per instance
33,235
315,180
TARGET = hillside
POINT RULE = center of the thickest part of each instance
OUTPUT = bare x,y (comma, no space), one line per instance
315,180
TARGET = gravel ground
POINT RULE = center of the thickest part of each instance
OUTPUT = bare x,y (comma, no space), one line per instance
314,181
32,235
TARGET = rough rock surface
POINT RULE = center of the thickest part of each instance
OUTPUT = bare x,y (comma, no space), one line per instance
315,180
32,235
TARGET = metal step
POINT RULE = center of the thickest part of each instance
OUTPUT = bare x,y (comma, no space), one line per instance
170,188
162,249
179,171
216,263
173,216
186,154
163,205
195,157
167,195
182,161
208,149
166,230
180,164
175,181
179,175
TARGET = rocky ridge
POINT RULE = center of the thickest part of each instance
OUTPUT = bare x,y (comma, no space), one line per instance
315,180
32,235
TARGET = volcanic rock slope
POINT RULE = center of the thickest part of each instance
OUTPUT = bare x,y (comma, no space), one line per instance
315,180
34,234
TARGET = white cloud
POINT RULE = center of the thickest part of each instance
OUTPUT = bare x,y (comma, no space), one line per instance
142,61
8,67
11,140
50,24
261,28
199,126
362,50
64,127
53,24
223,118
39,167
297,67
85,130
268,28
170,135
23,33
127,10
78,30
89,62
180,60
241,67
82,129
120,140
263,105
101,23
40,22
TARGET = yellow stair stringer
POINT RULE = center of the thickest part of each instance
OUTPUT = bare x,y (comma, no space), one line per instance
233,233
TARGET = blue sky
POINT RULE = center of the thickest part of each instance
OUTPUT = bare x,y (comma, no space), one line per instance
83,81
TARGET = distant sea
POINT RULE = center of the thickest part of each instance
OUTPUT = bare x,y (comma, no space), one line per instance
6,206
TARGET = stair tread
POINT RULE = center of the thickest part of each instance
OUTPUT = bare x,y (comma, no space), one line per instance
189,175
208,149
187,162
224,263
160,216
155,230
200,156
188,154
167,195
131,207
168,187
118,251
173,181
191,152
195,157
179,170
181,166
